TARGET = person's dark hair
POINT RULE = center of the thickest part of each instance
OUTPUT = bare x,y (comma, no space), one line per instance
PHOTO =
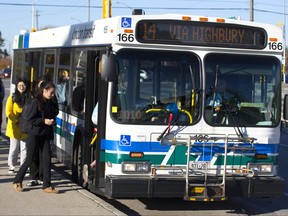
39,93
43,78
21,98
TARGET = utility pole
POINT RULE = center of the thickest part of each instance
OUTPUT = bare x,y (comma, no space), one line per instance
33,15
284,19
37,15
106,9
88,10
252,10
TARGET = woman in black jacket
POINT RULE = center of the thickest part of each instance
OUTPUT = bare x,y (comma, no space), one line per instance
41,118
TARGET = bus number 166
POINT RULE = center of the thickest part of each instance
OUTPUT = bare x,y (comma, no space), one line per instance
275,46
125,37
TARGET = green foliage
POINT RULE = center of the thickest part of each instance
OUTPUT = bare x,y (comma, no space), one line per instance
3,53
1,40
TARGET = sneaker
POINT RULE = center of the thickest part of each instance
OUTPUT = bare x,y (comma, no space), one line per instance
32,183
40,182
11,169
50,190
18,187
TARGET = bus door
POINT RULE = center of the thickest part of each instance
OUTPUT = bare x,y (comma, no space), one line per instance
35,68
96,94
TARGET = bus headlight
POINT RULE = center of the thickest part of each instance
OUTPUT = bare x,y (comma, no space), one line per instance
261,168
135,167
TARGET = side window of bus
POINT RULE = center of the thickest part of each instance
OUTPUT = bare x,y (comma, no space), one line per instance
78,95
18,65
62,77
62,86
49,65
78,81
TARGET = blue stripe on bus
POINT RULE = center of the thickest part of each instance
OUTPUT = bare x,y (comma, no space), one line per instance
26,40
69,127
113,145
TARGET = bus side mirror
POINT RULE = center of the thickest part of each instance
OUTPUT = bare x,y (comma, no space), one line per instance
108,68
285,107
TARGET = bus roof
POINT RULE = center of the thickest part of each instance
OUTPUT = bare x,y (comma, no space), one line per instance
110,30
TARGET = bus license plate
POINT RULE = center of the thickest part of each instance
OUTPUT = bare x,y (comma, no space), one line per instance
198,165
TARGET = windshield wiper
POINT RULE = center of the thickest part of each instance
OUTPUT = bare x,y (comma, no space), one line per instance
226,108
171,121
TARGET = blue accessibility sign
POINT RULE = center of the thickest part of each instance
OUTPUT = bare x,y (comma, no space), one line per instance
126,22
125,140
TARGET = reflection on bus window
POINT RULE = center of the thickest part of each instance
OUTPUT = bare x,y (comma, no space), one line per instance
78,81
155,85
50,59
62,87
49,64
248,98
80,59
78,95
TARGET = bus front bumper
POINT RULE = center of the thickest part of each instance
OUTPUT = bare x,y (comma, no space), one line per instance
137,186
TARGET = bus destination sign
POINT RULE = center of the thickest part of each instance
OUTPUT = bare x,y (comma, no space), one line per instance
200,34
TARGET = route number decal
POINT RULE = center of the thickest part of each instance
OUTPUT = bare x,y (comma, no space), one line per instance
275,46
125,37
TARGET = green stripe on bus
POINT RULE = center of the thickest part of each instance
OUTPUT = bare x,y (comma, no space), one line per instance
243,160
64,134
181,159
20,41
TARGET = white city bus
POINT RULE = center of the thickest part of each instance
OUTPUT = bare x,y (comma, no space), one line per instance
188,106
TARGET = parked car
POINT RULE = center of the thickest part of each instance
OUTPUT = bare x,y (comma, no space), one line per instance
5,73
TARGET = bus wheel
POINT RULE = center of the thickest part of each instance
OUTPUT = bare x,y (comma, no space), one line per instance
77,165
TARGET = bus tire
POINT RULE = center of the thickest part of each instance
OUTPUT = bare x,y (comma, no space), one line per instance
77,159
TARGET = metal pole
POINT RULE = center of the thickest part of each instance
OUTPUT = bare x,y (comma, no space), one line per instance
37,15
88,10
252,10
33,14
284,19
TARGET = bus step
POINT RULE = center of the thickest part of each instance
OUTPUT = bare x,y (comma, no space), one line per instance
211,192
205,199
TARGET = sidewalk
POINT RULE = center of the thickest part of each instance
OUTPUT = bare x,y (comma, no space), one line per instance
71,200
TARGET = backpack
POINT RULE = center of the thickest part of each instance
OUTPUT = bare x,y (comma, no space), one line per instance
24,124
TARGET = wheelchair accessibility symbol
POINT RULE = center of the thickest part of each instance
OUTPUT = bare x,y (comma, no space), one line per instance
126,22
125,140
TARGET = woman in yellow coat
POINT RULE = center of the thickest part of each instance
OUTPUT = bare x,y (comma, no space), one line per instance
14,105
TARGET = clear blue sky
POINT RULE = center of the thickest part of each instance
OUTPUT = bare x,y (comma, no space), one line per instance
17,14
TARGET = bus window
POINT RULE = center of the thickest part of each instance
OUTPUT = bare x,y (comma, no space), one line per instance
49,64
78,95
78,81
17,65
36,64
62,87
248,96
150,84
80,59
62,83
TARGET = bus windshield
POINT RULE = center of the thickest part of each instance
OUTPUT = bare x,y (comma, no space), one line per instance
154,87
242,90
